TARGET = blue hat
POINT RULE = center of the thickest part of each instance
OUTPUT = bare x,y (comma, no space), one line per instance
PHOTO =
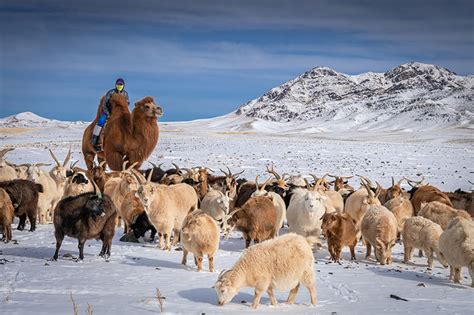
120,81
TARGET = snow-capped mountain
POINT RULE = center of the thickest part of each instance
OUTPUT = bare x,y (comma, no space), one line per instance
410,96
31,120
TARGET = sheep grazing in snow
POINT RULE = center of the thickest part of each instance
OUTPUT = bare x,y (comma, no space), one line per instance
166,207
379,228
340,230
456,244
277,200
282,263
200,236
6,215
256,219
422,233
24,196
305,212
440,213
216,204
86,216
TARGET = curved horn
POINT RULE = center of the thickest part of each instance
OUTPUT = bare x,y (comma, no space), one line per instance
256,182
237,174
272,171
227,175
132,166
68,157
54,157
73,164
152,164
347,177
148,180
393,181
101,164
266,183
379,189
230,172
5,151
308,186
176,167
96,189
124,165
139,176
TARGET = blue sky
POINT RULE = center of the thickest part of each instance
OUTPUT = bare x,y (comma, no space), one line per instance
205,58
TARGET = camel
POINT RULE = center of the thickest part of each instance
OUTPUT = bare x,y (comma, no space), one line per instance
126,136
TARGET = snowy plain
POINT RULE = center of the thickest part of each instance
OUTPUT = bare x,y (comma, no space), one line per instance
32,284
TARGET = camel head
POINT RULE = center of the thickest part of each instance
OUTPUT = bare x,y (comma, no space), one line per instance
148,107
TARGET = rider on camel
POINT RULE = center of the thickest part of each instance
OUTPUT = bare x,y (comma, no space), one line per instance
106,111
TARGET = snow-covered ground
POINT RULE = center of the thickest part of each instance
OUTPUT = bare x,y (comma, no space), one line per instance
127,282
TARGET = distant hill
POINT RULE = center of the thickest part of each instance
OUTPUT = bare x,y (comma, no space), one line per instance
31,120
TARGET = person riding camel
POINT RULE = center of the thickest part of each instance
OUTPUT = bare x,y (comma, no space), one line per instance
106,111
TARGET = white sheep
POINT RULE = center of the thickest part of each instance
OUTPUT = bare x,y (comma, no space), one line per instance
281,263
47,199
440,213
423,234
305,212
216,204
378,228
200,236
278,202
456,244
166,207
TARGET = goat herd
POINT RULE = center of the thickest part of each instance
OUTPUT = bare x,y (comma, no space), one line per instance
193,206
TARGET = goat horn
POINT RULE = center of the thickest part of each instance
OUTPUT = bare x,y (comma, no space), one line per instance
379,189
347,177
5,151
124,165
308,186
132,166
230,172
96,189
73,164
54,157
237,174
330,175
210,170
148,180
68,157
176,166
101,164
266,183
256,182
393,181
152,164
272,171
227,175
141,179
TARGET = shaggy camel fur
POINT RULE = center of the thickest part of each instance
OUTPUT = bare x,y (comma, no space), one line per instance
130,136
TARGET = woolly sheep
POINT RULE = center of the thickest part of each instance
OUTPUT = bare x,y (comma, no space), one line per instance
456,245
441,213
200,236
282,263
422,233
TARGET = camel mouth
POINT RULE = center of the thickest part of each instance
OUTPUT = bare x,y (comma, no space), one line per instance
158,111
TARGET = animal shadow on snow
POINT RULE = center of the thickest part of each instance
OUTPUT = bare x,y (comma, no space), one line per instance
413,275
208,296
42,252
155,263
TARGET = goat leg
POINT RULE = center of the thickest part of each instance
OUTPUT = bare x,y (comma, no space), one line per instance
59,240
81,249
21,224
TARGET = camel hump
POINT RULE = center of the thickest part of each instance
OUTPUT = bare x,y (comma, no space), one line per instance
118,100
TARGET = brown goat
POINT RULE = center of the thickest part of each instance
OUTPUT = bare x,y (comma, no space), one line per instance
86,216
256,219
427,193
6,215
340,230
127,135
24,196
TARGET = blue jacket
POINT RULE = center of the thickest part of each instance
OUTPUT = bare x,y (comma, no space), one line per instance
107,110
